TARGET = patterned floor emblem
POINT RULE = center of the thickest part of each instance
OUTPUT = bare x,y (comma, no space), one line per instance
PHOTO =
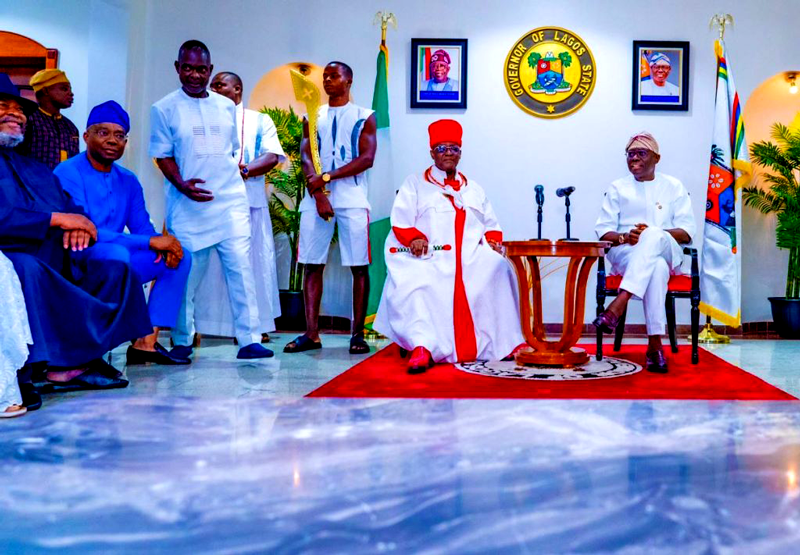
593,370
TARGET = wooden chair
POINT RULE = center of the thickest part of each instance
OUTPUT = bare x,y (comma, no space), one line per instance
679,287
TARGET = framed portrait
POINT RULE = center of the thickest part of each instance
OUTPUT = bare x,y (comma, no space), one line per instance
660,75
439,73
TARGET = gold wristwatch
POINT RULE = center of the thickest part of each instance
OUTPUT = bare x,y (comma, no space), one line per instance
326,178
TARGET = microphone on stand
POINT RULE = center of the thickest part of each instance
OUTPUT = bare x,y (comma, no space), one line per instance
566,192
539,203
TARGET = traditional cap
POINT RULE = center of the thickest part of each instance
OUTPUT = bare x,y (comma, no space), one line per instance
445,131
10,90
109,112
659,58
642,140
47,77
441,56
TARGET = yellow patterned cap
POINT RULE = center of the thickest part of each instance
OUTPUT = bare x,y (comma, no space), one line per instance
47,77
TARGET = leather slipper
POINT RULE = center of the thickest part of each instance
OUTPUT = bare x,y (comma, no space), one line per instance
300,344
358,346
89,380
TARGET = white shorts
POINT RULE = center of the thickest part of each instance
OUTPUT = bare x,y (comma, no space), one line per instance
316,235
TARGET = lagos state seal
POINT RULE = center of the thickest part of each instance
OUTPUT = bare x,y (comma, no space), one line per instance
550,72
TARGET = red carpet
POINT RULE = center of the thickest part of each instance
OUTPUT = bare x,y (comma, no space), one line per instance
384,375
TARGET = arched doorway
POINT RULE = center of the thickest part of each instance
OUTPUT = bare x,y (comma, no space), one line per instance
764,265
274,89
21,57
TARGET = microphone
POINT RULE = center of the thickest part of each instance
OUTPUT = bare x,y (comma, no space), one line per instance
565,191
539,194
539,202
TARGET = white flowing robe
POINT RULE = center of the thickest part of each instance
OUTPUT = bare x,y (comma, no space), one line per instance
417,305
16,334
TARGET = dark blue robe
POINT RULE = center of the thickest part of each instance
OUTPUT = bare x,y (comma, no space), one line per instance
77,310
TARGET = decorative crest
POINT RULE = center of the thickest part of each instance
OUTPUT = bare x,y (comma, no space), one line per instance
385,18
720,21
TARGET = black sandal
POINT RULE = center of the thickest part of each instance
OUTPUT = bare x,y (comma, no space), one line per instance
301,344
357,345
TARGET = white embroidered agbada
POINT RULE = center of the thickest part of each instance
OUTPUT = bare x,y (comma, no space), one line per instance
213,315
418,303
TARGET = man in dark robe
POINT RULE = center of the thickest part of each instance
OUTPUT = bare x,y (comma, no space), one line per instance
77,311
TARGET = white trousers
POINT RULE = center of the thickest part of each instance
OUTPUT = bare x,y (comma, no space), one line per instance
646,268
234,254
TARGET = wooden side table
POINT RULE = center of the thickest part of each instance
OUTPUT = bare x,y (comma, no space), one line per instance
525,257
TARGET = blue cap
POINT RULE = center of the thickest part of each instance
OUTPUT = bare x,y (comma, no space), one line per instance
109,112
10,90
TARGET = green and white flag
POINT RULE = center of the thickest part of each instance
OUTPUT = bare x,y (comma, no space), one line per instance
382,186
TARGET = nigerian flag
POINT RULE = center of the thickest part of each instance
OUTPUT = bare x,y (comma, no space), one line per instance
382,187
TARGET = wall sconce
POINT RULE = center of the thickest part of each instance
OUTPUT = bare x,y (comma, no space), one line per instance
792,78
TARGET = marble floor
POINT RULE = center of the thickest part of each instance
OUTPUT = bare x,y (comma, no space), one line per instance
226,456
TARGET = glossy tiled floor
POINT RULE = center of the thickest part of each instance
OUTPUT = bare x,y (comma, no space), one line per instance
226,456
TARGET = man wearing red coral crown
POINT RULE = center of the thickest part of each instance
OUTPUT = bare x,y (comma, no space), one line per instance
450,296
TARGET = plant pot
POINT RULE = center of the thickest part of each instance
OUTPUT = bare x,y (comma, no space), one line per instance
293,311
786,315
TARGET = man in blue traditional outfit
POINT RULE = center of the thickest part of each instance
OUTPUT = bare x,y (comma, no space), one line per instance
77,311
113,199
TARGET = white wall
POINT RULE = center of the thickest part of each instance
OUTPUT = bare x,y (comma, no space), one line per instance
92,40
506,150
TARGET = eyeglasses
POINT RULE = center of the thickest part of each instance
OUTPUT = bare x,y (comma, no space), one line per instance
105,134
442,149
637,153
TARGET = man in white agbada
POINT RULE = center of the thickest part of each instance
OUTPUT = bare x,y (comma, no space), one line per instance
193,138
657,85
449,295
647,216
259,152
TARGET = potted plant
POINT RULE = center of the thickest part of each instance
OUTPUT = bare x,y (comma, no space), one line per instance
783,199
289,185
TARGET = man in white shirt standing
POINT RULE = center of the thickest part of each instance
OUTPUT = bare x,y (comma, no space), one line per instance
647,216
347,145
259,152
193,138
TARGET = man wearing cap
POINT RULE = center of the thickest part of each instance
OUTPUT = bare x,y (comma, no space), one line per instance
439,70
51,137
113,199
77,310
647,216
193,138
337,197
657,85
259,152
452,297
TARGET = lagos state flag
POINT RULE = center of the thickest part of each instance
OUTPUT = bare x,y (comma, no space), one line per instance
729,171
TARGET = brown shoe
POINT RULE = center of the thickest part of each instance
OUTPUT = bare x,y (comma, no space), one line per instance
656,362
606,322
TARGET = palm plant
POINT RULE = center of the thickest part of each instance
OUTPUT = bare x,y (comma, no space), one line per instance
289,186
783,195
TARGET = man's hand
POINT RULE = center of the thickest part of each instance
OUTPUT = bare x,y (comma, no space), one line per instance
419,247
496,247
315,183
77,239
168,247
79,231
633,235
324,208
242,172
191,190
